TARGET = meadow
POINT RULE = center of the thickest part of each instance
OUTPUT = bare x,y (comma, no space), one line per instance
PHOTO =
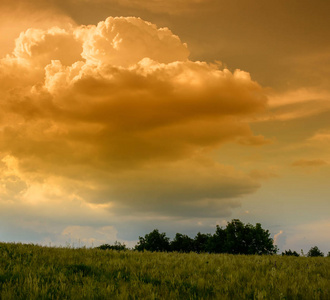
34,272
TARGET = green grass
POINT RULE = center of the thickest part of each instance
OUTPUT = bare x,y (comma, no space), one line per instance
35,272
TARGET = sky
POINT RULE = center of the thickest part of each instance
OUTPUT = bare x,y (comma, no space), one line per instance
121,116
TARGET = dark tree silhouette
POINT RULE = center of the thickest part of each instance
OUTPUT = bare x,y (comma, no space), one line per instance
314,251
182,243
217,242
154,241
201,242
290,253
247,239
235,242
236,238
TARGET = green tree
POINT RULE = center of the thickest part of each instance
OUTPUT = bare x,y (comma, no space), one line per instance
182,243
154,241
262,243
235,242
200,242
217,241
314,251
239,238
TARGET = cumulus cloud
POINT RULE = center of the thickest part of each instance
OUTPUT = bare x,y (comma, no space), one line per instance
120,112
17,16
11,183
112,41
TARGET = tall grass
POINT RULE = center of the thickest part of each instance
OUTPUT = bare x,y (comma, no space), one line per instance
35,272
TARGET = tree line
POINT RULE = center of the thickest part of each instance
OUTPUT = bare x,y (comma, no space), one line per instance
313,252
235,238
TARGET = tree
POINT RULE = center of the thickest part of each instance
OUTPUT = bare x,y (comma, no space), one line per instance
217,241
290,253
235,242
262,243
247,239
200,242
154,241
314,252
182,243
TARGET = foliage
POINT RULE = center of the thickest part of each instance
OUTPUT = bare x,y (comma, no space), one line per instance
247,239
182,243
314,251
35,272
201,241
290,253
154,241
236,238
117,246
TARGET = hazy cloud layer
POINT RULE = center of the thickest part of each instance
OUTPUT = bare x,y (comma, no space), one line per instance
297,104
120,111
309,163
157,6
310,233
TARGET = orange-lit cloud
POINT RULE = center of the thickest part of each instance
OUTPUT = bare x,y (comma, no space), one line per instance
321,137
17,16
297,104
169,6
120,111
263,174
309,163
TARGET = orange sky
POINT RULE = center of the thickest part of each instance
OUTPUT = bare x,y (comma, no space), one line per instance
121,116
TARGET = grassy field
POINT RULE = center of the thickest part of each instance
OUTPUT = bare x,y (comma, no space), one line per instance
35,272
